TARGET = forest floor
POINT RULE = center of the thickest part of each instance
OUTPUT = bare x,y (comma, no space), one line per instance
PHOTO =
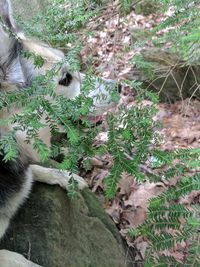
109,50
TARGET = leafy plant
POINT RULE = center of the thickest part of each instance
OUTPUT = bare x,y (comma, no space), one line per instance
132,142
58,23
183,28
132,132
169,222
130,135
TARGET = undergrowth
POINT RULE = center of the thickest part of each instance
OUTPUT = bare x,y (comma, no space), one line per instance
169,222
132,131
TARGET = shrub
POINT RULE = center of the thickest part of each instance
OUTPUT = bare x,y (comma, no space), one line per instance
132,136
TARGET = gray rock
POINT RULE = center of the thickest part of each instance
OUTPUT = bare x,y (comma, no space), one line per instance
53,231
173,79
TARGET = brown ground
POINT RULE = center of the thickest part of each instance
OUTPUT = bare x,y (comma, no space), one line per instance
111,50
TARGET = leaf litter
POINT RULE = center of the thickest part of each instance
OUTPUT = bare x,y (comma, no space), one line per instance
109,50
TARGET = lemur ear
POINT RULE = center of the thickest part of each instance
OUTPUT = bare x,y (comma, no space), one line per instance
6,14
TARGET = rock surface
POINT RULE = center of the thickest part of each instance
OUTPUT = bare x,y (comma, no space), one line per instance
28,9
173,79
53,231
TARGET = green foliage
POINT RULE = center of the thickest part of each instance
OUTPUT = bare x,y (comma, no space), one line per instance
8,147
168,223
132,137
184,33
125,6
147,7
179,30
132,141
58,22
130,131
145,66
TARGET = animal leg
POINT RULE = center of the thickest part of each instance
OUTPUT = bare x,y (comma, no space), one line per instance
54,176
13,259
4,223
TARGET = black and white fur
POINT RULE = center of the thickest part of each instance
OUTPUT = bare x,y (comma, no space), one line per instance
16,177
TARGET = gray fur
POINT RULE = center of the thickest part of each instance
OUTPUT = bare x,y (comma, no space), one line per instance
17,72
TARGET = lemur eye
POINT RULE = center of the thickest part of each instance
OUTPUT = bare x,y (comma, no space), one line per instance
66,80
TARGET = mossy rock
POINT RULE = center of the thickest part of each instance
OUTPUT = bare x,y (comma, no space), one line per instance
172,78
147,7
54,231
28,9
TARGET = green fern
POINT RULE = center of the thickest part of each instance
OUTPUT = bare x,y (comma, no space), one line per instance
132,138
